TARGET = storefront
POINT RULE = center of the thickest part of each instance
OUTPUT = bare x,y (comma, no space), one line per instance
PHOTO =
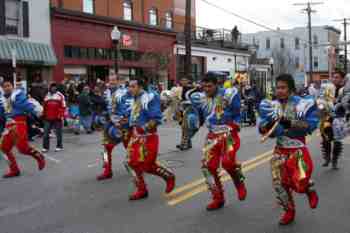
32,60
84,48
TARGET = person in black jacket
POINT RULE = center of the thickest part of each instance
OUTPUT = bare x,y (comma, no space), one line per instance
85,109
98,106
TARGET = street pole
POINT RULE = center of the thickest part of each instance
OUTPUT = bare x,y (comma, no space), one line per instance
309,11
345,23
188,40
116,65
346,47
310,42
14,65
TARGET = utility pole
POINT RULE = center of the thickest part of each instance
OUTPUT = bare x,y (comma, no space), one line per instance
309,11
188,39
345,23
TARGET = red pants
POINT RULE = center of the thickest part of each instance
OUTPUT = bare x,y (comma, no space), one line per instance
291,174
16,135
142,157
143,151
291,171
221,149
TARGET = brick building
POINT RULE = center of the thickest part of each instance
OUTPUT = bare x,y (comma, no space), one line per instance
81,37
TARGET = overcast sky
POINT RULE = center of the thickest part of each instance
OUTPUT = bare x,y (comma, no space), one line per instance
273,13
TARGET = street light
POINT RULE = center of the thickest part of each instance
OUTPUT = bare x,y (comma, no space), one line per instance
115,36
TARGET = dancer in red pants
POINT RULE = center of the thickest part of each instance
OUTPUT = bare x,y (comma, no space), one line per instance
290,119
144,117
14,108
220,108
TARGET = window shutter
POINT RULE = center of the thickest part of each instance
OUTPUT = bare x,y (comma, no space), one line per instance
2,17
25,10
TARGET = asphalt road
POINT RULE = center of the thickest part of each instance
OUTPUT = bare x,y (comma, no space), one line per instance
66,198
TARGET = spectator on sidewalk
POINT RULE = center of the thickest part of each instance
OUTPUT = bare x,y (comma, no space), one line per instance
85,109
54,108
98,106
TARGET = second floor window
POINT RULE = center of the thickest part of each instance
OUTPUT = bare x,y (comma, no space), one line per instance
297,43
89,6
282,43
297,63
315,40
168,20
153,17
12,14
316,63
268,43
127,10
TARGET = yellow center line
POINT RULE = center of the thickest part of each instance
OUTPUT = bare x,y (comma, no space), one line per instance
204,187
201,181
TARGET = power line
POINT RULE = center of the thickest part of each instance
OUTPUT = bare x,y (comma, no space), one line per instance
251,21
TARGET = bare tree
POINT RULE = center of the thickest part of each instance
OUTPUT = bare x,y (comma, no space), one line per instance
284,61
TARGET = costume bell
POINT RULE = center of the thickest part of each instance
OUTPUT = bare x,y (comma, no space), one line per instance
290,119
144,117
14,109
220,109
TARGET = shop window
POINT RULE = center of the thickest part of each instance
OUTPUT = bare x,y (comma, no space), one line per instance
91,53
68,51
127,10
84,53
89,6
99,54
168,20
12,16
153,17
75,52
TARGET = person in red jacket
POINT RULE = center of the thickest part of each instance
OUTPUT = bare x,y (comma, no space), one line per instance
54,108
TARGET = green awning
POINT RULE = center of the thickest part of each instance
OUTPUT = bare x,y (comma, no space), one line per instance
27,52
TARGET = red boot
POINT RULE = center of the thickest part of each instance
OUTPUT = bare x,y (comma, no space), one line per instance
288,216
141,190
39,157
238,180
166,175
170,184
218,199
241,190
41,162
13,167
107,164
313,199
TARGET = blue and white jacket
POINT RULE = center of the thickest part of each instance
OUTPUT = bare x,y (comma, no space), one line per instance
16,105
303,114
141,109
220,110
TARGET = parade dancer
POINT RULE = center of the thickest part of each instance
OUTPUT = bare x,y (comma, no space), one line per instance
112,135
14,108
332,139
186,115
290,119
220,109
145,116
